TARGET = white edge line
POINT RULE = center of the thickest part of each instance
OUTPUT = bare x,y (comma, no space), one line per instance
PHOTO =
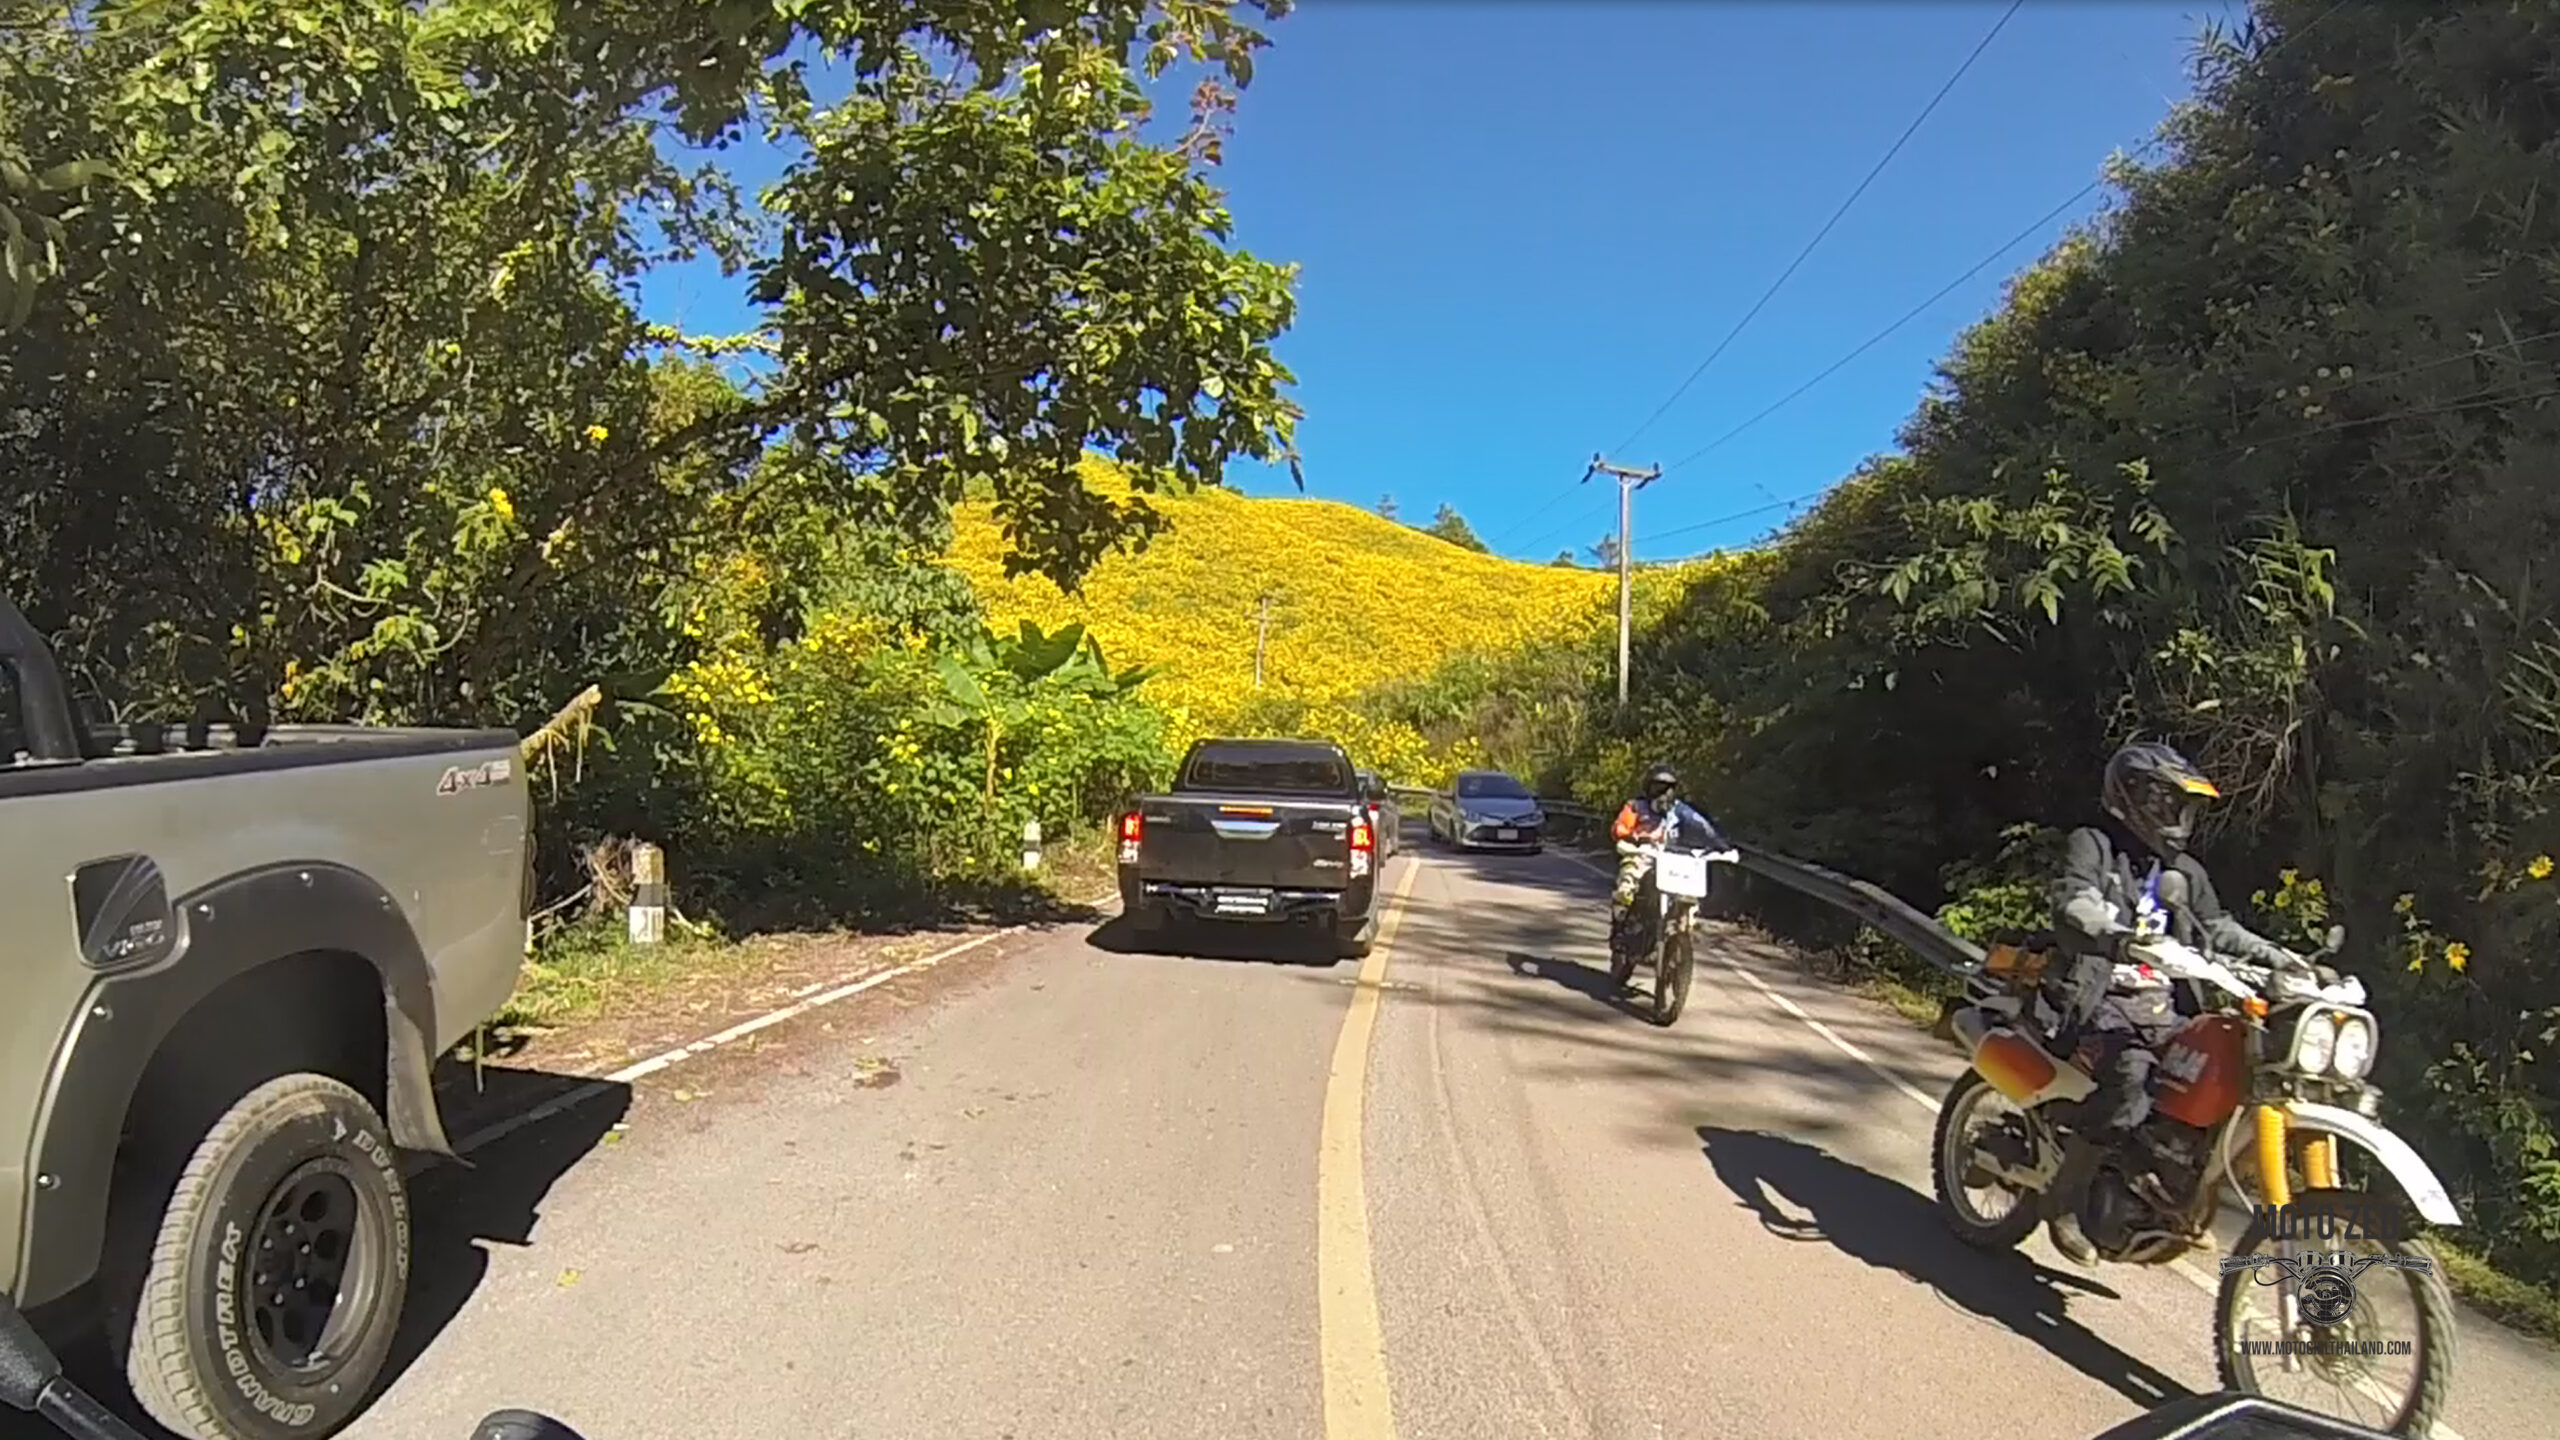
489,1134
2181,1265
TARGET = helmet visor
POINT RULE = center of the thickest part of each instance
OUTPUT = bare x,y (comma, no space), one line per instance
2163,811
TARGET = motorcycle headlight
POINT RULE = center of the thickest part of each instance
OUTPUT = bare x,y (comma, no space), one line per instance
2315,1041
2356,1044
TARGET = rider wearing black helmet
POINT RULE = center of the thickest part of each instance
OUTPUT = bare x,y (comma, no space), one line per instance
1653,816
2108,894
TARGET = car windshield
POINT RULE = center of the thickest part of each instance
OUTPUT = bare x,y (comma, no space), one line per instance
1491,787
1267,772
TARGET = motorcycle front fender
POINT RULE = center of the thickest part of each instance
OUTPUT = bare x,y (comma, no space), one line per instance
2415,1180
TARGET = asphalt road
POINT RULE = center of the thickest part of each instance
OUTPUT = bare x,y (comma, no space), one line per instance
1098,1195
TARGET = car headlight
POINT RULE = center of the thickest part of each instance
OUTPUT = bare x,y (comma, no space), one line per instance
2355,1047
2315,1041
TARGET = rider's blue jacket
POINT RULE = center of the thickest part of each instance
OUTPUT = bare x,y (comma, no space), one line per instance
1643,821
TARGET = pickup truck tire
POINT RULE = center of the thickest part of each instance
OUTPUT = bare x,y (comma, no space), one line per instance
296,1186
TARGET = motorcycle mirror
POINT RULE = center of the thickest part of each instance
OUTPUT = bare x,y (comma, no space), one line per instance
31,1379
521,1425
27,1364
2229,1415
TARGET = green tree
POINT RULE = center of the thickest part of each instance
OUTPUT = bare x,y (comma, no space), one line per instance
1449,525
351,326
1386,507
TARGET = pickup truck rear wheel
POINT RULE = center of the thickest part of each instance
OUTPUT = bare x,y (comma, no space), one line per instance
275,1282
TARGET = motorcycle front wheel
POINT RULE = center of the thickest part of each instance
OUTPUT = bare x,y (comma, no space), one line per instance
1673,962
2348,1386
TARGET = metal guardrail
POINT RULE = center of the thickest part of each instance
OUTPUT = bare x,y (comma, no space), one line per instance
1871,904
1861,900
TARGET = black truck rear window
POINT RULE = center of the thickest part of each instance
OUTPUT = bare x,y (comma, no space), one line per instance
1268,770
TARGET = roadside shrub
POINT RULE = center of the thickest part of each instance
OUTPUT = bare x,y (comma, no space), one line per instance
840,772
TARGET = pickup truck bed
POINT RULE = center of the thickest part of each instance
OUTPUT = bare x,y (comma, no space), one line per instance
233,956
1297,848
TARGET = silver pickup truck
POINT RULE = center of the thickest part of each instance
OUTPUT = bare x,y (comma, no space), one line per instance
228,967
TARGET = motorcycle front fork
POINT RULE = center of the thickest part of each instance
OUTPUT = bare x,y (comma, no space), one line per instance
2275,1190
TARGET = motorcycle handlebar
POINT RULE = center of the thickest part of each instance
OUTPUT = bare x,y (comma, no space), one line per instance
522,1425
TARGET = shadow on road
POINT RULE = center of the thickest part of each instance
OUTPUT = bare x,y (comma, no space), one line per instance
1549,873
1892,1227
457,1211
1590,982
1266,944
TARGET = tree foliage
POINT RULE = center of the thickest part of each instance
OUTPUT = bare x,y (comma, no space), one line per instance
328,395
352,329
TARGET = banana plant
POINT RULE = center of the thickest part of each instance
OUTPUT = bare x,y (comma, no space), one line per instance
1068,656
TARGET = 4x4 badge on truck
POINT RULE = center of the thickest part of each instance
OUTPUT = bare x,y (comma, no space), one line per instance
458,778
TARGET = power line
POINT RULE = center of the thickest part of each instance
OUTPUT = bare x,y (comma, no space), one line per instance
1743,514
1951,286
1581,518
1801,256
1818,236
2486,399
1914,313
2282,42
1517,527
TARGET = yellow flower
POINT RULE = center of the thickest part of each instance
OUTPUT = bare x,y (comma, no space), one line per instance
2539,867
500,505
597,434
2458,955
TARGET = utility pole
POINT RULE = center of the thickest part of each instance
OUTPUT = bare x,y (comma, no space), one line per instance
1629,482
1261,637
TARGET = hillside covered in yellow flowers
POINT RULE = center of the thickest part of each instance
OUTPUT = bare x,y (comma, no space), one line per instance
1356,600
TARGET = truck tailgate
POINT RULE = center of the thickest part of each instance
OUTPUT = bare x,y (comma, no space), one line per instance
1242,840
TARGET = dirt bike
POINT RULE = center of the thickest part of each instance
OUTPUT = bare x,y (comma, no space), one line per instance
2264,1080
1675,881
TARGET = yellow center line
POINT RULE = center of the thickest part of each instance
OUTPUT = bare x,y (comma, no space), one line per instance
1350,1343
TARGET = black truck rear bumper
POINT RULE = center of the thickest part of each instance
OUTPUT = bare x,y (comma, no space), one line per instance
1346,911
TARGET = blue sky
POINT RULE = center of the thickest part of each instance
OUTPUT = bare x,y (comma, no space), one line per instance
1523,224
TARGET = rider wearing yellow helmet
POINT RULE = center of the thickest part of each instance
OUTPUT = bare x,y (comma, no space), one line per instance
2109,894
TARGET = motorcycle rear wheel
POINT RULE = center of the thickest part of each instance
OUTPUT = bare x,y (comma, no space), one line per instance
1947,1172
2415,1412
1673,961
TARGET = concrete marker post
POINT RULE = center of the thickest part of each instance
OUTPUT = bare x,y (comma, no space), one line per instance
648,895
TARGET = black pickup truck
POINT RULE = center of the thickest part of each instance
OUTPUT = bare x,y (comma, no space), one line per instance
1271,832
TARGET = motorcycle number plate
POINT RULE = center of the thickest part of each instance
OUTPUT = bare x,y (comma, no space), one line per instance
1682,875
